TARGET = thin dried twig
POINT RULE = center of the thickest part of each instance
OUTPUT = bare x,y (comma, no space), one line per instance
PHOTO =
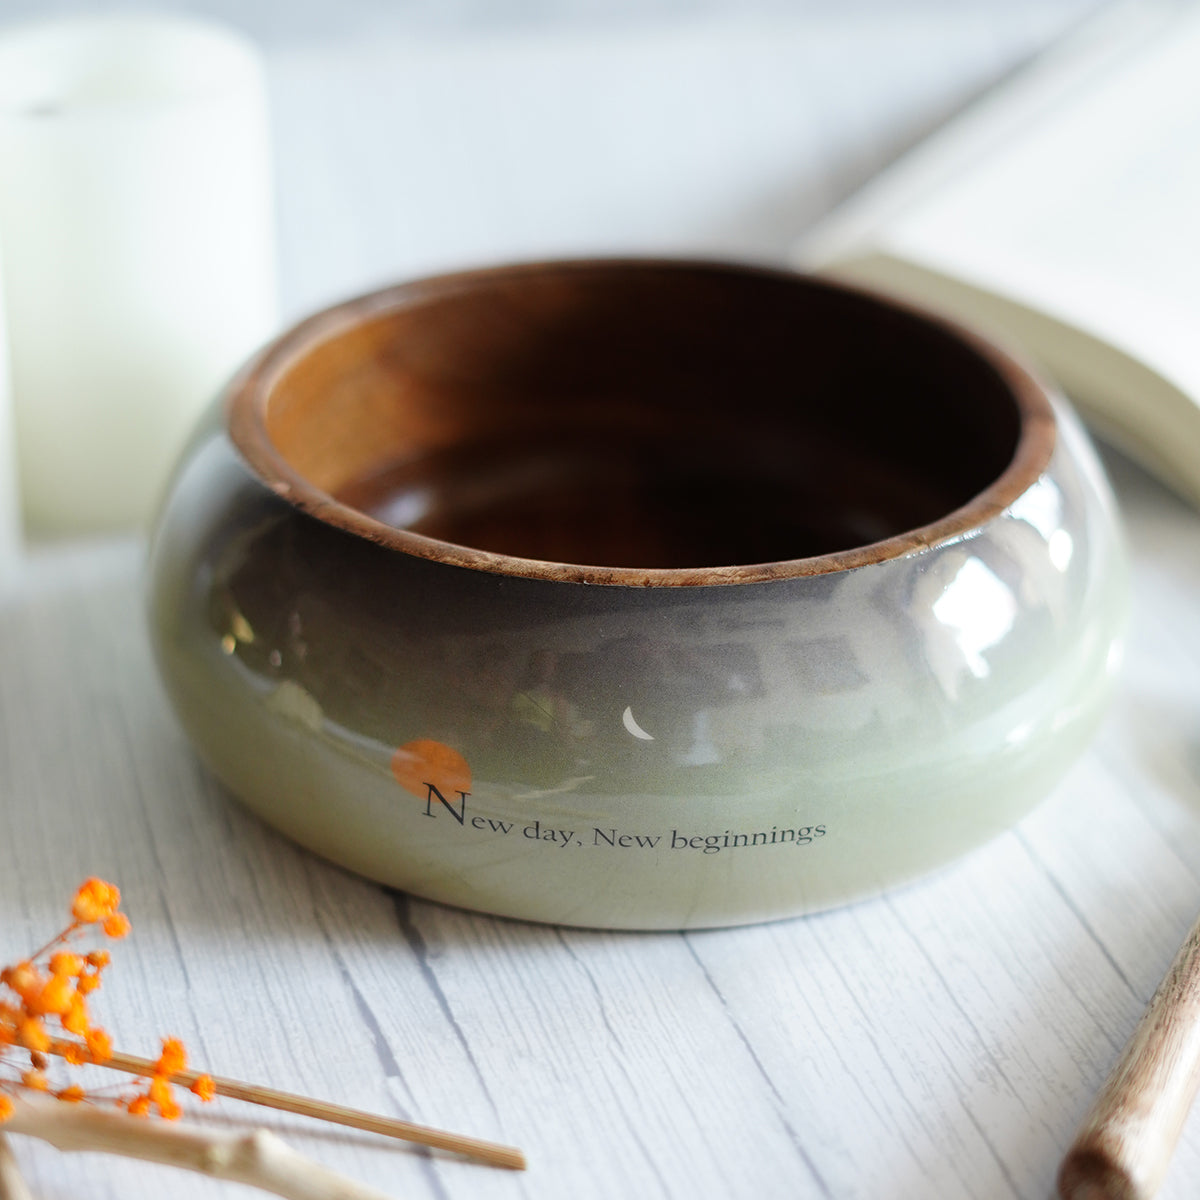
489,1152
258,1159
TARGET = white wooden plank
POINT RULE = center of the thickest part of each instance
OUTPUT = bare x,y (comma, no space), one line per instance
940,1041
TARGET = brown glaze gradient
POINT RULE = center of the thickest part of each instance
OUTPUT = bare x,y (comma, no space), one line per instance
641,423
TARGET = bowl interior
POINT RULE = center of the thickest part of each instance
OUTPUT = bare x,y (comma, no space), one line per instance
649,415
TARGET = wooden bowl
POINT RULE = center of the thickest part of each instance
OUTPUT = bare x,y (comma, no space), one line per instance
637,594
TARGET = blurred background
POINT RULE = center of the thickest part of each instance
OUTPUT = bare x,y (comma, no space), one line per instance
411,135
154,230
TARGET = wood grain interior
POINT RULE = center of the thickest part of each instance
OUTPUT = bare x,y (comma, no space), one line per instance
654,416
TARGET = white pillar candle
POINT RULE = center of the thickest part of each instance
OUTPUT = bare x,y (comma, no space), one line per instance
10,525
136,250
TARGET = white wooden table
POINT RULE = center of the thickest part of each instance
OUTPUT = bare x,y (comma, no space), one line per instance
942,1040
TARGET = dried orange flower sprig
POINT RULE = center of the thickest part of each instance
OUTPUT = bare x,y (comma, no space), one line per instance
52,987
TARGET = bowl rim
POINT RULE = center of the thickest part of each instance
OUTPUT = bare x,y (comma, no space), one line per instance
247,396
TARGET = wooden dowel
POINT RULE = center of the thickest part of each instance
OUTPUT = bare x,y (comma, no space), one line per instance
488,1152
1124,1145
12,1183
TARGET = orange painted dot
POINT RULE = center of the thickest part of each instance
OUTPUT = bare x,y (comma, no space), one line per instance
423,762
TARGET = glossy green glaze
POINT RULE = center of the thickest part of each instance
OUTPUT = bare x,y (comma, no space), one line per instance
635,756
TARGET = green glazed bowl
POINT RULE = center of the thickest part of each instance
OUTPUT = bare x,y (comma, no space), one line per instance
637,594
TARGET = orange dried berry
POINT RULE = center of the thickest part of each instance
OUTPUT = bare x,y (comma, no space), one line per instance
75,1019
65,963
205,1087
6,1109
170,1111
160,1091
86,984
72,1095
173,1058
55,997
99,1045
95,900
117,925
24,979
75,1054
32,1035
35,1081
139,1106
99,959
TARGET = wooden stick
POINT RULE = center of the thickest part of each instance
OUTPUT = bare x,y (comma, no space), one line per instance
12,1183
259,1159
1124,1145
489,1152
